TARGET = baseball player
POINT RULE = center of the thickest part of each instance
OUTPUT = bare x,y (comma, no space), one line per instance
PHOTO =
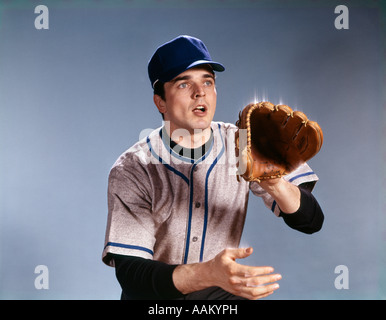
176,209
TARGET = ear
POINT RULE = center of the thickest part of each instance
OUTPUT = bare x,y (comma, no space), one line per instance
160,103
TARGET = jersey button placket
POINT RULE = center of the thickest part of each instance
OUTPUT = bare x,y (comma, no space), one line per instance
197,211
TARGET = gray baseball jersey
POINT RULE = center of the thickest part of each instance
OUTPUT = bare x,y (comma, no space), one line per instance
170,208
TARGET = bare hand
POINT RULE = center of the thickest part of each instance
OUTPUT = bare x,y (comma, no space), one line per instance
241,280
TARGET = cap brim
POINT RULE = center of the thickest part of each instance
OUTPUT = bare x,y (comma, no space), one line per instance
175,72
215,65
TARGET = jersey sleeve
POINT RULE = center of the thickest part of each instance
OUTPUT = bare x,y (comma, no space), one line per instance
130,227
302,175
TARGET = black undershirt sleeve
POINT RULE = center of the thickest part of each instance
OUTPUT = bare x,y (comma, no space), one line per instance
145,279
309,217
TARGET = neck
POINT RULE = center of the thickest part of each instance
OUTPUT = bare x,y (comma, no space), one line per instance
193,153
189,138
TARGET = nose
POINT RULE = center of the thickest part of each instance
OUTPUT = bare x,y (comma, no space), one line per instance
198,91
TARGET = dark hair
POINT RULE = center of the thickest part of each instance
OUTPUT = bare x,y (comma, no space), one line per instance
159,89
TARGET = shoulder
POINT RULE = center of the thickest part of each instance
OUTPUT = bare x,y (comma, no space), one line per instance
137,155
226,131
224,126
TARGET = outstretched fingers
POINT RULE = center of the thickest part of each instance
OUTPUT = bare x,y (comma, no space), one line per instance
256,286
254,293
251,282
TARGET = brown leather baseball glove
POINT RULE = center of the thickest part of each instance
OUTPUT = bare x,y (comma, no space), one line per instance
273,140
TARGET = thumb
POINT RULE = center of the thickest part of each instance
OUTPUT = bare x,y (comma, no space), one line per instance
240,253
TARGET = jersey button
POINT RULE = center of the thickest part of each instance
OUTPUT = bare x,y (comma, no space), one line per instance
194,239
197,204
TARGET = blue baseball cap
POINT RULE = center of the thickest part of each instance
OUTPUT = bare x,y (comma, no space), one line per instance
177,56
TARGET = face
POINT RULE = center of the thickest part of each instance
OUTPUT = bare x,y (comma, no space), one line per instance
190,100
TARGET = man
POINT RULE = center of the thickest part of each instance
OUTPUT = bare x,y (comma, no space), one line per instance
176,209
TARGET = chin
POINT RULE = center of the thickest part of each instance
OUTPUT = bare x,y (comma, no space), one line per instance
202,125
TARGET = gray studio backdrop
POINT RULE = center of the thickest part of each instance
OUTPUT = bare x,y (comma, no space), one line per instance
74,96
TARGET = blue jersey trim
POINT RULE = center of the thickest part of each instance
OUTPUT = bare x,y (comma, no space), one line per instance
169,167
291,180
301,175
207,197
128,246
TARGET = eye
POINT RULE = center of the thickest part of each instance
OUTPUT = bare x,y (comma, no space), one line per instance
183,85
208,83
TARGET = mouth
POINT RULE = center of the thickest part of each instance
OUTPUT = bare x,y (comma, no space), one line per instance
200,110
